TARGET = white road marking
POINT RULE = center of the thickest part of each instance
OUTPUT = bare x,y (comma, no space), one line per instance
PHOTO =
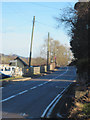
62,73
33,87
8,98
45,83
40,84
30,88
23,92
50,107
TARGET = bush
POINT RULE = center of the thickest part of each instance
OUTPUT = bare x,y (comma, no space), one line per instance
83,65
83,70
86,109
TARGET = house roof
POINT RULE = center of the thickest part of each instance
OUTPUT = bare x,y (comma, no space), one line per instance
18,58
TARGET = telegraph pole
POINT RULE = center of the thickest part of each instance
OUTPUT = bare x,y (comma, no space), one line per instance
31,42
48,53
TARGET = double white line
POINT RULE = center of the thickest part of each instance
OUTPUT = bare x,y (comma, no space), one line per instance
51,106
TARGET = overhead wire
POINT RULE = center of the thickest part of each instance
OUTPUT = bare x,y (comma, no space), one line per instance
41,5
44,24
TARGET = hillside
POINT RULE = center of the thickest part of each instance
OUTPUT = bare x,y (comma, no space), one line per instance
5,59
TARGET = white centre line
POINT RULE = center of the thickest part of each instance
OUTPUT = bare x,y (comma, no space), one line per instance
30,88
33,87
8,98
23,92
40,85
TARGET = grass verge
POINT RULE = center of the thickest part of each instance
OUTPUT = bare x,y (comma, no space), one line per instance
11,78
81,108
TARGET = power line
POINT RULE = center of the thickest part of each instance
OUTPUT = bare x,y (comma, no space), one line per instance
45,24
45,6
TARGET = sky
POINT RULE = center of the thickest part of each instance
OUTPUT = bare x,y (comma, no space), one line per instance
17,20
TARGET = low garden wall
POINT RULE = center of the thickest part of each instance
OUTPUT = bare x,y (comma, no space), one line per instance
52,66
43,69
27,71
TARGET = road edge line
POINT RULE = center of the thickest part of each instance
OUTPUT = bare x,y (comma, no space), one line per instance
47,112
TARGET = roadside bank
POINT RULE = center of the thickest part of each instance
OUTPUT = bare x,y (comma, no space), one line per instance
73,105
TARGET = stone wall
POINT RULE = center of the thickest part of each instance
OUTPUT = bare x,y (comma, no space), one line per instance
27,71
52,66
16,71
43,69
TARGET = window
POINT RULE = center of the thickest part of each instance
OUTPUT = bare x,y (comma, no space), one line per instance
7,69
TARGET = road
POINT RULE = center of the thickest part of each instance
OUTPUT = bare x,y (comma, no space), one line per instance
29,99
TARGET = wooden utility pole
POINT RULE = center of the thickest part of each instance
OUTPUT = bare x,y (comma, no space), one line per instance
31,42
48,53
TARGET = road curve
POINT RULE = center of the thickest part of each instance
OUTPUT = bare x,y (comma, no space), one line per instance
29,99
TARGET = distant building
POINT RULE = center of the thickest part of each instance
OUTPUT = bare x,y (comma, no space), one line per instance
18,62
14,68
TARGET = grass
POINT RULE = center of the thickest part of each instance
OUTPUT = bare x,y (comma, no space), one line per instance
80,111
11,78
20,77
81,108
86,109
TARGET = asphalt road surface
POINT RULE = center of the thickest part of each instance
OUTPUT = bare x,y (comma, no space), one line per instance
29,99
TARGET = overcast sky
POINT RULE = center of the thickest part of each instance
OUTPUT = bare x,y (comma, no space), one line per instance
17,26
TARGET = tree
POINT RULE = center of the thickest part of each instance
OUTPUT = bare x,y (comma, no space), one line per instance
77,21
58,51
38,61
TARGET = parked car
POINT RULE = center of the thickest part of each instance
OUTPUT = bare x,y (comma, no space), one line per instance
2,76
